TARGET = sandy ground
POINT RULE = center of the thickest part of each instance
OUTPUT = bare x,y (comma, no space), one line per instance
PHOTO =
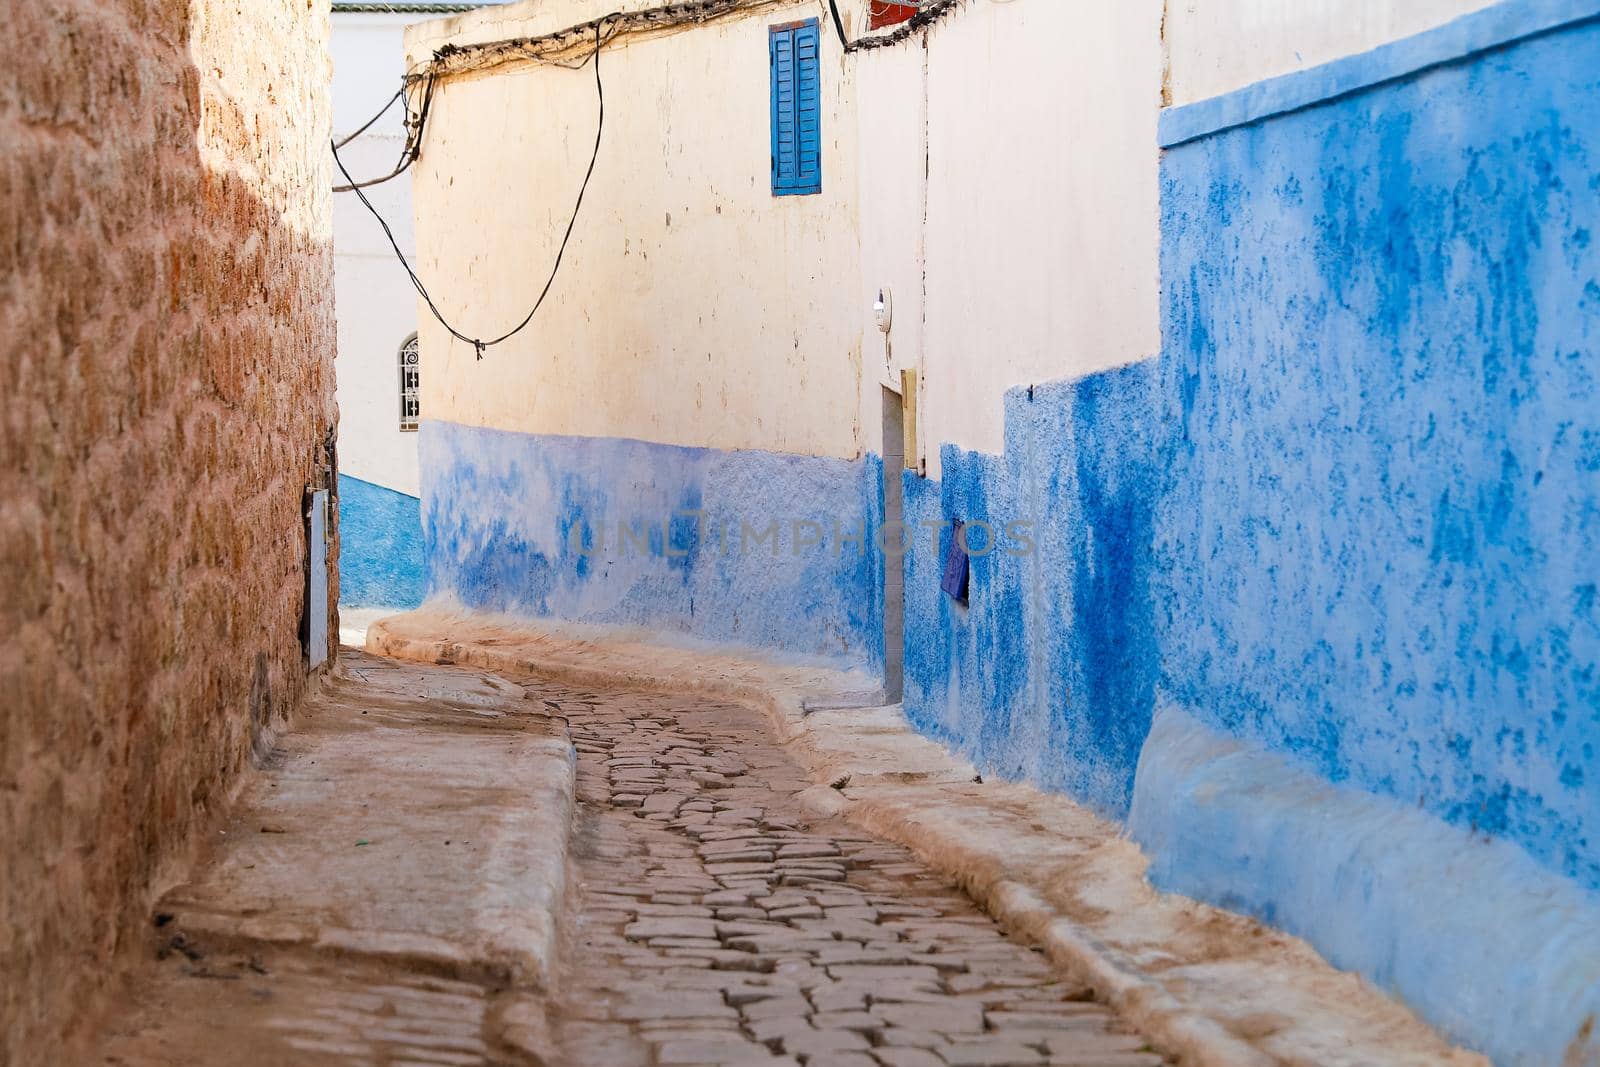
353,623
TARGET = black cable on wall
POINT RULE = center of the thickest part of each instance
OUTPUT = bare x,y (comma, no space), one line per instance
479,344
451,59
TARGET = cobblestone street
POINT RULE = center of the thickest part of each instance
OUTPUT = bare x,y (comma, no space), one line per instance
712,915
717,920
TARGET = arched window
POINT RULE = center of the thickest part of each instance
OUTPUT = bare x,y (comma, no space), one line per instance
410,385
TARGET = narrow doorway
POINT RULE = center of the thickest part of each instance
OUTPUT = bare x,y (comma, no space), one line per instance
894,600
314,621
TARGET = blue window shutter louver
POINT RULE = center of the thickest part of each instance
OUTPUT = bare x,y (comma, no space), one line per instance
796,109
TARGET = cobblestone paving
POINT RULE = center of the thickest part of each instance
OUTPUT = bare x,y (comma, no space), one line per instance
716,920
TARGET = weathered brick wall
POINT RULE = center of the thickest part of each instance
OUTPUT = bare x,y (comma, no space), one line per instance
166,349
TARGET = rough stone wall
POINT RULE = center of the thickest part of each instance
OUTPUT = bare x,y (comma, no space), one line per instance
166,344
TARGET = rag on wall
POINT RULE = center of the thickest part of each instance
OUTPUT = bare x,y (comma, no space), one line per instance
956,566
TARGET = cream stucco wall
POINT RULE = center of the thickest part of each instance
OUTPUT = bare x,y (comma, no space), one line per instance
1216,46
893,123
997,174
693,306
1001,164
1042,238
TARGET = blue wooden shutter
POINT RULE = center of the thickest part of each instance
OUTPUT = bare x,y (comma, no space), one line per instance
808,74
785,140
796,109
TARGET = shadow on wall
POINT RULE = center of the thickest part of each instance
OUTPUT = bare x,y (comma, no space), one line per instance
380,532
166,415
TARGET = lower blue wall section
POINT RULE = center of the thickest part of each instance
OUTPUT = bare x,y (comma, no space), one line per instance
1049,672
1348,523
1383,355
764,550
380,547
1476,936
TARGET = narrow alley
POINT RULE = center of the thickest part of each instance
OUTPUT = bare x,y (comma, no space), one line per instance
710,916
719,921
826,533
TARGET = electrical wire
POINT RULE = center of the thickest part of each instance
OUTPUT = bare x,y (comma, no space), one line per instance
408,152
478,344
451,59
456,59
444,62
368,124
351,185
838,24
928,12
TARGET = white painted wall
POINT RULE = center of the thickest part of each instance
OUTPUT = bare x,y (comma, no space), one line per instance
893,194
1216,46
1042,238
1009,174
998,174
376,306
693,306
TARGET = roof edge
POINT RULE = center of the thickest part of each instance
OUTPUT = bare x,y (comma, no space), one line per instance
403,7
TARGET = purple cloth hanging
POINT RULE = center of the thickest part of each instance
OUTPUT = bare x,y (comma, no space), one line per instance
956,567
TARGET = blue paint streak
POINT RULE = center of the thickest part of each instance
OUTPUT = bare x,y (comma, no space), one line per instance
505,514
380,547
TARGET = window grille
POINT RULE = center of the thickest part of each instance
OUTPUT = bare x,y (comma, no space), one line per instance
410,385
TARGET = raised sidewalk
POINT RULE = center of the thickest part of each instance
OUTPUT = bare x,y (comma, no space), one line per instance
387,889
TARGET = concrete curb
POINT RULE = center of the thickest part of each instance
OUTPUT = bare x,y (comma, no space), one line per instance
579,657
388,886
1196,1040
387,906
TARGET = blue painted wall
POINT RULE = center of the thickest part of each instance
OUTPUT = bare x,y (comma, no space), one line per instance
532,524
1382,322
380,547
1353,512
1340,542
1049,672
